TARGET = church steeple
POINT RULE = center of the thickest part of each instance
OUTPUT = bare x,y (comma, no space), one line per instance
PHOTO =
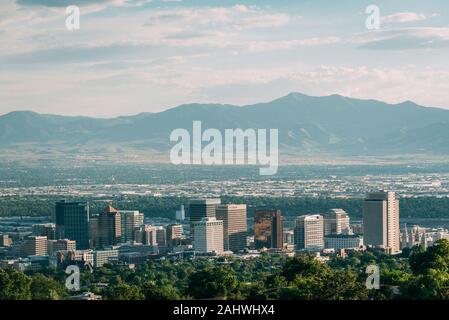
424,241
404,240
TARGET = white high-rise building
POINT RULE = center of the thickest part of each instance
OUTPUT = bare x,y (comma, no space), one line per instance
208,235
381,221
309,232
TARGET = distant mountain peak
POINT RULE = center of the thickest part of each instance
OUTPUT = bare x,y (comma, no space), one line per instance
333,124
20,112
296,95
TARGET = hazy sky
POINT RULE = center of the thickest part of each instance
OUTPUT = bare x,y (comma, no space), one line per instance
134,56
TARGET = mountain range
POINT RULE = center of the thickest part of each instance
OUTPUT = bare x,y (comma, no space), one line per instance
330,124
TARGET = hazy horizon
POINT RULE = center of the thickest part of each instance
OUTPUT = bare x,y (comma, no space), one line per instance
212,103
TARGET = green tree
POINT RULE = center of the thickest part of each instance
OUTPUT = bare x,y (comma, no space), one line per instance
46,288
14,285
124,291
431,286
214,282
434,258
303,265
309,279
160,292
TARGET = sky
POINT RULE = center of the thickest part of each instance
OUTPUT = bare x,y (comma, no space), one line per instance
133,56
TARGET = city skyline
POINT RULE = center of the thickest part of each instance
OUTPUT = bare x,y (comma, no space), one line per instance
322,238
269,228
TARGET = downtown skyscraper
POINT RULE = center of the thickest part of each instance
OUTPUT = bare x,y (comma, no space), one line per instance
72,222
202,208
208,236
234,226
110,225
309,232
381,221
268,229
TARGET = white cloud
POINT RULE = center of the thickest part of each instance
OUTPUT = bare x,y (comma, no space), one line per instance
405,38
115,91
83,3
427,86
258,46
401,17
237,17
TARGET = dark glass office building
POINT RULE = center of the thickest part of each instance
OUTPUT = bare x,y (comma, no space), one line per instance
268,229
72,222
202,208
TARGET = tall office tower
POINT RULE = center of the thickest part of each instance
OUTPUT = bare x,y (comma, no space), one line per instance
201,208
180,214
268,229
277,238
46,229
381,221
208,235
161,236
336,221
234,226
130,219
110,227
309,232
34,246
60,245
94,232
72,222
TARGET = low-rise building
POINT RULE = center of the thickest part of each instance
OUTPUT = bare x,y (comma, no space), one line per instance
34,246
60,245
101,257
343,241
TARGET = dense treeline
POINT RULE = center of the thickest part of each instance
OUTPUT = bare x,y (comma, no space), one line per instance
429,207
416,274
